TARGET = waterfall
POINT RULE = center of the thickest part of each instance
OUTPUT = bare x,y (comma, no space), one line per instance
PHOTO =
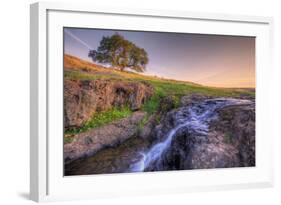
194,118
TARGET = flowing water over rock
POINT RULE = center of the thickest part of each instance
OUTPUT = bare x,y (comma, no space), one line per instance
193,122
195,118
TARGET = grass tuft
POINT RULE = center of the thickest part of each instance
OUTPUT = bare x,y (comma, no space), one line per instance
100,119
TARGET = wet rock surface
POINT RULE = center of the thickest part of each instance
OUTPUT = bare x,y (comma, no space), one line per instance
82,98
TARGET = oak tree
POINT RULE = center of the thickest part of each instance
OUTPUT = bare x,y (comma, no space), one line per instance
120,53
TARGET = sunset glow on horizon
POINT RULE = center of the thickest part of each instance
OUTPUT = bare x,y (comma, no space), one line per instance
212,60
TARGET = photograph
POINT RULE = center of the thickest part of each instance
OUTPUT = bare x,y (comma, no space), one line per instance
148,101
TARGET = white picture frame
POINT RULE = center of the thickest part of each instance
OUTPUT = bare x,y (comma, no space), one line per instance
47,182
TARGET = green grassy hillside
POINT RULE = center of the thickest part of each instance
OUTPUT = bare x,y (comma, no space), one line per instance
77,69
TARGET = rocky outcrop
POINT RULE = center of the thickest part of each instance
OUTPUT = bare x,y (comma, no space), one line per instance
190,100
237,126
82,98
166,104
202,133
90,142
229,141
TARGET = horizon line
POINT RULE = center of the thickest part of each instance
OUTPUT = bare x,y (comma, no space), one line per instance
166,78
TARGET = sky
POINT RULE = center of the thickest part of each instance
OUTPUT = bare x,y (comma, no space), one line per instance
212,60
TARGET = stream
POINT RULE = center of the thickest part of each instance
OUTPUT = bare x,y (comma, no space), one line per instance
195,118
136,155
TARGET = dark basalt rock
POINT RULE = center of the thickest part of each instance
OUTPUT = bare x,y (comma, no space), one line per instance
230,141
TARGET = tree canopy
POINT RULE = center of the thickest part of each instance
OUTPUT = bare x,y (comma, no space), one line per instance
120,53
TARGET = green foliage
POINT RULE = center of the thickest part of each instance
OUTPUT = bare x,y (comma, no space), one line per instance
101,118
143,122
120,53
152,104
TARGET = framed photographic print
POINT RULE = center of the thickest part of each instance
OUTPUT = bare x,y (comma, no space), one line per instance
127,102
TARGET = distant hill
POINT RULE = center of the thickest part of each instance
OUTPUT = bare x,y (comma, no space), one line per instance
72,63
78,69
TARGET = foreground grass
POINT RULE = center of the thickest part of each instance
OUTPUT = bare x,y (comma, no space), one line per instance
98,120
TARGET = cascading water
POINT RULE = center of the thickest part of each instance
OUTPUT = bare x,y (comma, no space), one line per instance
194,118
